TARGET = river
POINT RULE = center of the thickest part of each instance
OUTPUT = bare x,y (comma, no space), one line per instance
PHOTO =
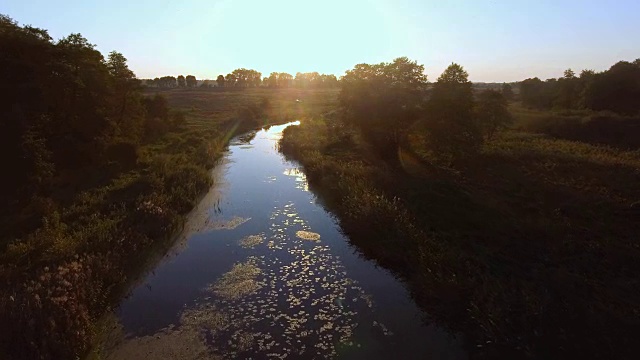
263,271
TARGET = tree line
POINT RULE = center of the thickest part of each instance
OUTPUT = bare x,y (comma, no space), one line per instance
386,102
181,81
616,89
74,110
244,78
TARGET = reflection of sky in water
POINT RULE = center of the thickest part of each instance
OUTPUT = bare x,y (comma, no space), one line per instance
295,299
270,276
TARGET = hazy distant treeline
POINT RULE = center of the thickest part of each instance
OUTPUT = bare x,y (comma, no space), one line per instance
244,78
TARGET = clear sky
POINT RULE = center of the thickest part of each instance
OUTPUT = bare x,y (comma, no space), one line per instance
500,40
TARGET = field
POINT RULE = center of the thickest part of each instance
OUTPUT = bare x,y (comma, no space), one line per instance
206,107
529,248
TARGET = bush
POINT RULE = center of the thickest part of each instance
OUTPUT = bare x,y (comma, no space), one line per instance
124,153
603,128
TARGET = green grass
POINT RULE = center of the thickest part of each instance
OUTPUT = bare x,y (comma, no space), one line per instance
531,246
598,128
101,229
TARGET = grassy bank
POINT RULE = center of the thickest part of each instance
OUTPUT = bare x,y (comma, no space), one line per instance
598,128
99,226
529,249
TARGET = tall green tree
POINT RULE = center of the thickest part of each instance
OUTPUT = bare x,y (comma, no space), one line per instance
451,127
617,89
220,81
230,80
191,81
568,91
181,81
128,112
272,81
383,100
285,80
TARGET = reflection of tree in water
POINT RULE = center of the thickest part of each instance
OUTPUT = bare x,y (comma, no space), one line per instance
246,138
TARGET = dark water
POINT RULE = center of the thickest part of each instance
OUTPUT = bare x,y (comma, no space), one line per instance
264,272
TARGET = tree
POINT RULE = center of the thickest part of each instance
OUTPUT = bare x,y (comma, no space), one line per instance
167,82
181,81
285,80
569,74
220,80
617,89
492,112
314,80
83,100
451,127
536,93
568,91
507,91
272,81
158,119
230,80
329,81
191,81
382,101
129,113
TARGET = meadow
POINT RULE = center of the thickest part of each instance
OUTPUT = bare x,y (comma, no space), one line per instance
527,248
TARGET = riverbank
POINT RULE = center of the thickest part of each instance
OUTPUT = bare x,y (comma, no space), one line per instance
62,276
267,273
529,249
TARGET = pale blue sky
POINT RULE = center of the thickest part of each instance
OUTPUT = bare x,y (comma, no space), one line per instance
500,40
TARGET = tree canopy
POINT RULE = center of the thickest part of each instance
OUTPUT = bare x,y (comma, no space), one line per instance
71,107
383,100
242,78
191,81
616,89
451,125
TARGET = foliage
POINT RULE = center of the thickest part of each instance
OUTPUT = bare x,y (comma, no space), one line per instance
314,80
492,112
527,249
279,80
243,78
603,128
616,89
220,80
507,91
99,174
191,81
383,100
451,127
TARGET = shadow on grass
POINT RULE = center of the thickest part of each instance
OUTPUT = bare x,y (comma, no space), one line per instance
528,249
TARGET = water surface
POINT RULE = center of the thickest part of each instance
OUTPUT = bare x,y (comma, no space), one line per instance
262,271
